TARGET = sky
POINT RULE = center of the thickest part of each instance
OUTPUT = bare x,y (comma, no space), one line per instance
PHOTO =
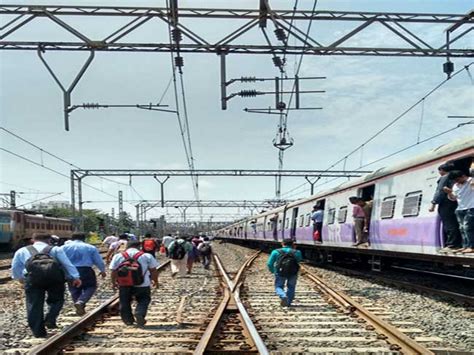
362,95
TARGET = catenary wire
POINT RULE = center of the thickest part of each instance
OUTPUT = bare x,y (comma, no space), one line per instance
388,125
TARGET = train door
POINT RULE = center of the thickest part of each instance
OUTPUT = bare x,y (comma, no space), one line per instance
294,221
367,194
318,226
274,221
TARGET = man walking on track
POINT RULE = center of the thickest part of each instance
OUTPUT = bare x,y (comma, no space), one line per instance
83,256
284,263
133,271
177,251
42,269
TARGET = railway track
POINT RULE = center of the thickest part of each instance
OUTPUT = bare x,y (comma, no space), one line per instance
456,296
217,314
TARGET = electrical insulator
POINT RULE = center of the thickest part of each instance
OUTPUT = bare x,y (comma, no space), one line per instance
278,62
448,68
176,35
90,105
179,62
280,34
248,93
248,79
281,105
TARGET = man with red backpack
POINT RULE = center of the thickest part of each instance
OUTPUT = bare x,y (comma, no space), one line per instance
132,272
150,245
284,263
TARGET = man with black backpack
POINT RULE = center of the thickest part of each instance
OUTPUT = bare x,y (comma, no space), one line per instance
284,263
132,272
178,253
42,269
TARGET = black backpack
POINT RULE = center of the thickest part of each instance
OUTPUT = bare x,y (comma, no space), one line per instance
42,269
178,252
205,249
286,264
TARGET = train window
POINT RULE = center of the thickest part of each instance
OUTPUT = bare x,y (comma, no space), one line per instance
342,214
43,226
17,217
388,207
27,225
38,226
411,204
308,219
302,220
287,223
331,215
279,224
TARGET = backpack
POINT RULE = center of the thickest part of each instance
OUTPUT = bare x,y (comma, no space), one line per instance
205,249
286,264
42,269
178,252
149,245
129,271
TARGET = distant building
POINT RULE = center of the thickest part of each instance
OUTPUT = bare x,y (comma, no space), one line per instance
44,206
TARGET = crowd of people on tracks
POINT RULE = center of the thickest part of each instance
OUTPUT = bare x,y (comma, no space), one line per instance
44,269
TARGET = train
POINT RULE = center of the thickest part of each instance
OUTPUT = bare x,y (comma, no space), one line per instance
18,226
401,224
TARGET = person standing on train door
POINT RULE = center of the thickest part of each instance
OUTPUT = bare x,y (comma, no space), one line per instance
317,218
43,269
284,263
447,210
83,256
359,217
463,193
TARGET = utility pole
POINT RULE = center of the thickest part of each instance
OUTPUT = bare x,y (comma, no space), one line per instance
120,207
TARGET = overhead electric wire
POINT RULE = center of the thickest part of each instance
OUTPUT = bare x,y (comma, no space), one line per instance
40,199
52,170
184,127
391,123
386,156
42,150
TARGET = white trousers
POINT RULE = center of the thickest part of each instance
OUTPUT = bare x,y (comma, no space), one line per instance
179,265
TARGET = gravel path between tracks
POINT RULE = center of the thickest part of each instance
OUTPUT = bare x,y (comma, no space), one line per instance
452,323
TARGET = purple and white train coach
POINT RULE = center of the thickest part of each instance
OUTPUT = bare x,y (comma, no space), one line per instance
401,223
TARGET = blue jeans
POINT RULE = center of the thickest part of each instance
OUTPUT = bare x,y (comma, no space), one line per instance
290,282
466,226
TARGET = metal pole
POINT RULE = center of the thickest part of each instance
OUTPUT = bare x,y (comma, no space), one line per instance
73,200
137,223
12,199
79,193
223,82
120,209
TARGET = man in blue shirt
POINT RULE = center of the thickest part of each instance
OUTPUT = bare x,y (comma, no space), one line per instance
35,295
275,266
317,217
83,256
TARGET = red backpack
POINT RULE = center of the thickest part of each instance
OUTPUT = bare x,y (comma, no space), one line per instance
149,245
129,271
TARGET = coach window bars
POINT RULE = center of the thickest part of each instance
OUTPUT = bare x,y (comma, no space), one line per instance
331,215
342,215
308,219
411,204
387,209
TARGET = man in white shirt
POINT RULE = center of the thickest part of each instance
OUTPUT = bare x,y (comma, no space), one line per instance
463,193
117,247
109,240
167,240
141,292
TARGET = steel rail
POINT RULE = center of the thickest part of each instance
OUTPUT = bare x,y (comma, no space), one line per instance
58,341
394,336
459,297
230,301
